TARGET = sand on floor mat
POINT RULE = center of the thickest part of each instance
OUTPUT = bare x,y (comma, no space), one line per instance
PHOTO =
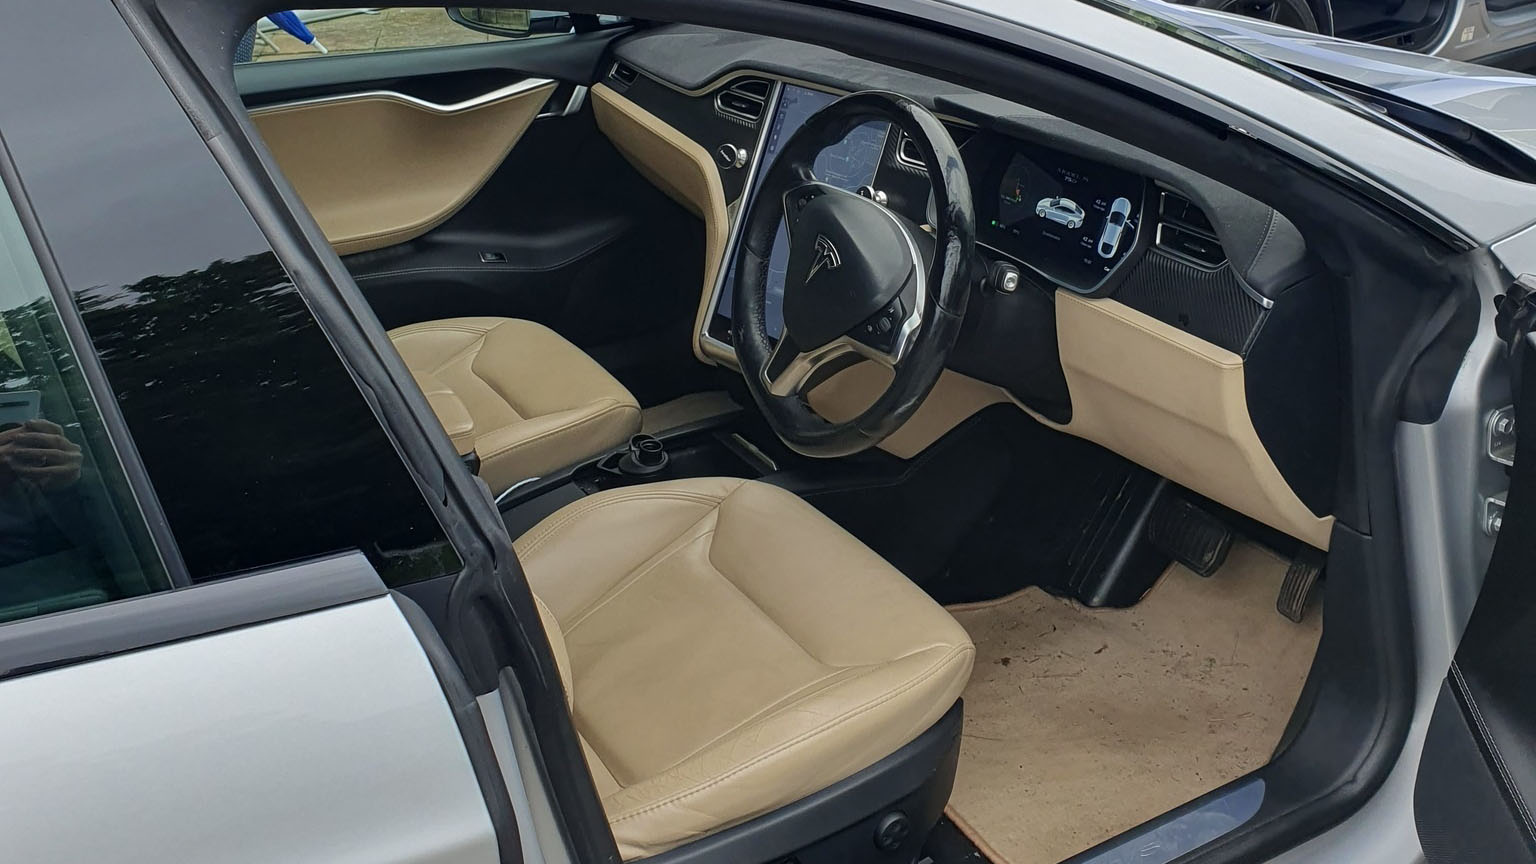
1081,723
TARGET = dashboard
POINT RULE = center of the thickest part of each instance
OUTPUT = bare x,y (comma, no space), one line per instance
1069,220
1158,313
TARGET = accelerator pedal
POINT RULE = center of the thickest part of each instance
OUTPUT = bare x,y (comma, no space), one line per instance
1300,579
1189,535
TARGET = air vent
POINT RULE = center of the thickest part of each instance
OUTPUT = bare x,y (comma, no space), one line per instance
757,88
908,155
1184,232
746,99
624,74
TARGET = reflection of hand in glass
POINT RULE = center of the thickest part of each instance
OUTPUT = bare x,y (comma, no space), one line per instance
38,452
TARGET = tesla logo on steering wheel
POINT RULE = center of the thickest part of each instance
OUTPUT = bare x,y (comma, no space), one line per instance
826,258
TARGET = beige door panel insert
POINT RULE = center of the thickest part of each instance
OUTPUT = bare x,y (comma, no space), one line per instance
380,168
678,166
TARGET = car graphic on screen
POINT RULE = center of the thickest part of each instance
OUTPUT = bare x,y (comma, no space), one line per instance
1062,211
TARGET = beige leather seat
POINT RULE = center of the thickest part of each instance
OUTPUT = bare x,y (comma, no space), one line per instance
728,650
516,393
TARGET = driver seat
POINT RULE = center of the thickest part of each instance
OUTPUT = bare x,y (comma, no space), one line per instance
727,650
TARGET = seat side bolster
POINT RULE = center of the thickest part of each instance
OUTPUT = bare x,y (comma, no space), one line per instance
522,450
803,747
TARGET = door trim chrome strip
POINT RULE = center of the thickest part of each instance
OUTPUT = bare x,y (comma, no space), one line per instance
527,85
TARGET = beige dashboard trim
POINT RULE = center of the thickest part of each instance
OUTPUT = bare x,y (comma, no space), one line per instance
380,168
678,166
1156,395
953,399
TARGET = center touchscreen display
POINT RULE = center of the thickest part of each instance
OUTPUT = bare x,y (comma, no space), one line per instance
849,164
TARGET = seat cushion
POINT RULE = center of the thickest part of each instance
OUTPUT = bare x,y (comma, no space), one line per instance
730,650
537,403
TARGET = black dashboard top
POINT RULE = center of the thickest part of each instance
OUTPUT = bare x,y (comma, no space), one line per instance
1266,253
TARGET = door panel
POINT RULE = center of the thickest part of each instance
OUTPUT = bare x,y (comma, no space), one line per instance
577,241
518,207
381,167
1477,778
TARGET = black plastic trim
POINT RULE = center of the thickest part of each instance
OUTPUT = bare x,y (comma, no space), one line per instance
1293,380
471,723
79,635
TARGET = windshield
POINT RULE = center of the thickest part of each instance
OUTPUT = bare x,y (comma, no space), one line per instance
1196,26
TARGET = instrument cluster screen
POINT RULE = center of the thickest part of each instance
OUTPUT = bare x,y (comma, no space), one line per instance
1071,220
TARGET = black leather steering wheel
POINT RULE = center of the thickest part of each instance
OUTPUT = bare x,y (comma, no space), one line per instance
862,283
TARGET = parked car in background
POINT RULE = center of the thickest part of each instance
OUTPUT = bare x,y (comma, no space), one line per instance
1498,33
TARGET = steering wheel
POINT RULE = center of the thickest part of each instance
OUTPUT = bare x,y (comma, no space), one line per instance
862,282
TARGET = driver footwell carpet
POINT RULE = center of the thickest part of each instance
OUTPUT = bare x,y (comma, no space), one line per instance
1081,723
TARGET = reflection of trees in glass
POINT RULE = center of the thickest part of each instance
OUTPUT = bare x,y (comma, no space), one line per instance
93,546
258,442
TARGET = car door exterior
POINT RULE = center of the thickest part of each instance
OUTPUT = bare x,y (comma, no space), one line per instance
1477,776
203,523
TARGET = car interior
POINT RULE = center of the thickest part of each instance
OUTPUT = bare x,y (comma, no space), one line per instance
898,468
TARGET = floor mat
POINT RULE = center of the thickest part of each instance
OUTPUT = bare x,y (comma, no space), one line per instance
1081,723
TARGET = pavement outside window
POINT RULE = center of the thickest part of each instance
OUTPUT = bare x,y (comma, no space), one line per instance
367,30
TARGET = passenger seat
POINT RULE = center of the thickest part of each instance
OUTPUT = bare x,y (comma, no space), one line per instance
518,395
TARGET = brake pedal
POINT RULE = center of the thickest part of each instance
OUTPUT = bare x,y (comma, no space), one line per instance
1189,535
1300,579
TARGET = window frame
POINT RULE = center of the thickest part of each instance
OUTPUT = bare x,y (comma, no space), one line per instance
188,608
577,26
145,498
59,639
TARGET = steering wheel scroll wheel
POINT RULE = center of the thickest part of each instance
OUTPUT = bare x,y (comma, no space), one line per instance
862,282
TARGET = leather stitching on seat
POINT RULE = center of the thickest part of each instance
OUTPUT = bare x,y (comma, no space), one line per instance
614,405
472,348
955,653
634,575
534,541
839,675
492,384
435,326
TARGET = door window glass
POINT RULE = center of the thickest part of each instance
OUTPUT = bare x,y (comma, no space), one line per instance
334,32
70,532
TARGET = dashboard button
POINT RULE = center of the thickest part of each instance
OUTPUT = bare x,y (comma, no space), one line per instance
731,156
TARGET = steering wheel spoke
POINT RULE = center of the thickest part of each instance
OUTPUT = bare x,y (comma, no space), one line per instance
887,335
790,370
797,197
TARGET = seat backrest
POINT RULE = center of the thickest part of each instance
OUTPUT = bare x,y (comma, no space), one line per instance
557,645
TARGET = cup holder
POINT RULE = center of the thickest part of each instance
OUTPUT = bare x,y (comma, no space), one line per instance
645,456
